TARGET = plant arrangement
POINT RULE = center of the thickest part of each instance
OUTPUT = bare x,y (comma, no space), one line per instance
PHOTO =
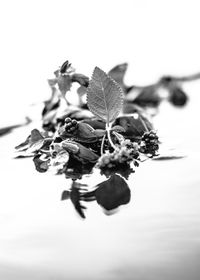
109,130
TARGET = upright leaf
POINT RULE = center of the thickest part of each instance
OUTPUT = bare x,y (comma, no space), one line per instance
104,96
118,73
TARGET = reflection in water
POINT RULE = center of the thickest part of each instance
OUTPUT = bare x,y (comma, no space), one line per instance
109,194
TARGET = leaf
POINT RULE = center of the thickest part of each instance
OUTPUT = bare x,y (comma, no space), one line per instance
8,129
112,193
64,83
134,125
168,157
34,143
75,199
36,136
65,195
145,96
83,133
81,79
104,96
118,73
41,165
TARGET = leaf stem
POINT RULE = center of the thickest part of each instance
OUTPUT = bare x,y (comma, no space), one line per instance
108,129
102,143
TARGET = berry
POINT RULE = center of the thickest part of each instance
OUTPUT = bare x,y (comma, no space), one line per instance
126,153
70,125
149,143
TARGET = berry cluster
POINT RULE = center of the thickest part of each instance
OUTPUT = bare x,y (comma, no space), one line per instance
149,143
122,156
70,125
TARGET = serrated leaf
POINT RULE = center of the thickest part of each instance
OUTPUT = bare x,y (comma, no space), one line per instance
104,96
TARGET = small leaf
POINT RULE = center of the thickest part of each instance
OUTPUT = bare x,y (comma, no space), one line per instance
64,83
104,96
36,136
65,66
40,164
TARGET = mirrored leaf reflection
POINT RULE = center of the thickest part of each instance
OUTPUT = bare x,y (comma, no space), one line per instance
109,194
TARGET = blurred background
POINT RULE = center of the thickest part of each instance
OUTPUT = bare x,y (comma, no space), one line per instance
155,37
157,235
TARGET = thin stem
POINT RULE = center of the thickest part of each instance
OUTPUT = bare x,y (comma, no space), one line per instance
144,124
109,137
102,144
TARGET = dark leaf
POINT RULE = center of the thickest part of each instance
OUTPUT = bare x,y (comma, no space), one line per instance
171,157
177,96
41,165
50,105
112,193
65,195
75,198
134,125
8,129
146,96
81,79
65,66
131,108
76,169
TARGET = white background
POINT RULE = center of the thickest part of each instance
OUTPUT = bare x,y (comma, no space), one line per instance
154,37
